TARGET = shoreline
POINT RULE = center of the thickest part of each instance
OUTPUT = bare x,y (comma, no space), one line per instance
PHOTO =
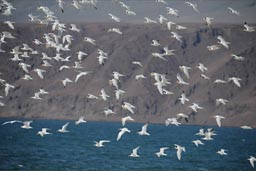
119,121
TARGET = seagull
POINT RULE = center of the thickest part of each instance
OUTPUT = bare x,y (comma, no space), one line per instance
204,77
238,58
125,119
84,73
7,88
114,82
46,64
179,27
128,106
232,11
161,1
246,127
61,2
76,4
144,130
222,152
12,122
183,98
148,20
172,121
103,95
220,81
180,80
213,47
80,120
10,24
117,75
137,63
129,12
140,76
115,30
91,96
65,81
118,93
40,73
195,106
37,42
252,159
121,133
90,40
73,27
159,55
185,69
201,67
100,143
37,96
108,112
182,115
221,101
168,52
223,42
179,150
42,91
155,43
172,11
197,142
43,132
161,152
113,17
194,6
208,21
101,59
135,152
169,24
176,36
235,80
248,28
64,128
64,66
218,119
26,125
161,19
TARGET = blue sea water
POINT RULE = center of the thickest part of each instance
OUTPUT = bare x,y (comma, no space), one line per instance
22,149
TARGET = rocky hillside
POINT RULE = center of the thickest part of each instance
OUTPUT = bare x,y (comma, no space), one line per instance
71,101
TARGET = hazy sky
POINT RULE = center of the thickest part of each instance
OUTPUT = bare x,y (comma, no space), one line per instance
144,8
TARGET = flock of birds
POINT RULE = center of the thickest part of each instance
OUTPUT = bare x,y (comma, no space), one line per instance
62,42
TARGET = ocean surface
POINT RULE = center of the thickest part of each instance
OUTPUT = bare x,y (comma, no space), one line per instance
22,149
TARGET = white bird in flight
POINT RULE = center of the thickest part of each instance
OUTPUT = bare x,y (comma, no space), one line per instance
222,152
64,128
162,152
144,130
198,142
80,120
194,6
113,17
121,133
179,150
84,73
218,119
135,152
26,125
100,143
252,159
128,106
125,119
43,132
223,42
232,11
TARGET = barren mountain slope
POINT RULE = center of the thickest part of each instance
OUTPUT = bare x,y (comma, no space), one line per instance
71,102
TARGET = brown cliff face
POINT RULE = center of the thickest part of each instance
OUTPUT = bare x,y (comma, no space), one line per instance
71,102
